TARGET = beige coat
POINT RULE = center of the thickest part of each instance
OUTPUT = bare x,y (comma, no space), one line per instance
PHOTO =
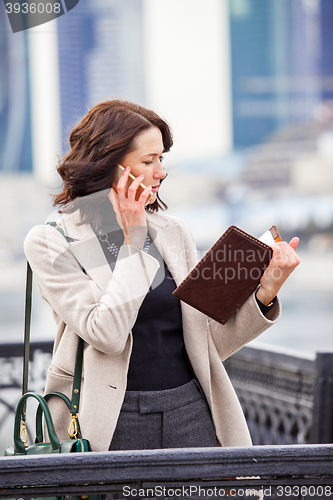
101,307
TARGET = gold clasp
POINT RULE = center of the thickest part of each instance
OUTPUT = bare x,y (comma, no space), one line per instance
24,431
73,435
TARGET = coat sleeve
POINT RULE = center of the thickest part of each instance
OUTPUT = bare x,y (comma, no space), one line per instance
245,325
102,318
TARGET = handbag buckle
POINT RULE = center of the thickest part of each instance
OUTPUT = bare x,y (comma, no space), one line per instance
24,431
73,424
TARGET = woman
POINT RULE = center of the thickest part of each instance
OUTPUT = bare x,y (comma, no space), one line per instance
152,375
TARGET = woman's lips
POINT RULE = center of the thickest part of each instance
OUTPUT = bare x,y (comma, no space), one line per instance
155,189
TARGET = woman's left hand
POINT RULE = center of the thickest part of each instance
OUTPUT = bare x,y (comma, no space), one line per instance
130,212
282,264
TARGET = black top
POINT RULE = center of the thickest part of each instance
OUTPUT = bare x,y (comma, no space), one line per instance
159,360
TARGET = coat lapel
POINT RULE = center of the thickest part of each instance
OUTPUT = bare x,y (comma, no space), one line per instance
87,249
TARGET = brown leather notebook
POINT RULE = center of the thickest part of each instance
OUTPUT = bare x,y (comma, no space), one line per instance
227,274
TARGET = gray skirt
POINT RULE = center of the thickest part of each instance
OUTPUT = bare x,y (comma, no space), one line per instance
173,418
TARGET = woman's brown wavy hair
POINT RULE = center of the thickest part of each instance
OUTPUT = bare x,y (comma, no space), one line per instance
98,143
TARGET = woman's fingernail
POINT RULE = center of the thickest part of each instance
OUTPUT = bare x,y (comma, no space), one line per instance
127,169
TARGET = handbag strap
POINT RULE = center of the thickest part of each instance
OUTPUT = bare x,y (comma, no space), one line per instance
19,446
77,378
27,323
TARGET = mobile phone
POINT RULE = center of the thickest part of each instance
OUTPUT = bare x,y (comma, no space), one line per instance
131,178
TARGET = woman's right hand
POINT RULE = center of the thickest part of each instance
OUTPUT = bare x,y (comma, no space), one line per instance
130,212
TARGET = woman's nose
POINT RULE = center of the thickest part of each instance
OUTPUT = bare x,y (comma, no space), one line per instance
159,172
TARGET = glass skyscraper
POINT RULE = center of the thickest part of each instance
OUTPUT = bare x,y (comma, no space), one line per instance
100,56
281,57
15,127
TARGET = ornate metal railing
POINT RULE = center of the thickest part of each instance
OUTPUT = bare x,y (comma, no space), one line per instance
11,374
276,392
286,399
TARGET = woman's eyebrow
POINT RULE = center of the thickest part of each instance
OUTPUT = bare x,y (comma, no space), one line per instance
150,154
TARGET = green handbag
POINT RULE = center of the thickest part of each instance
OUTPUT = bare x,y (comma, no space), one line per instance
54,446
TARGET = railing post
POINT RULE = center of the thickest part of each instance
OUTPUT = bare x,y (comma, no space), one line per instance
322,426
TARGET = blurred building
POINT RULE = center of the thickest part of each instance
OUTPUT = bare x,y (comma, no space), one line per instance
281,58
141,50
100,56
326,59
298,156
15,127
280,54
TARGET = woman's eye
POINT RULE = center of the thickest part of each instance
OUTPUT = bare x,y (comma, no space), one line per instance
149,162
